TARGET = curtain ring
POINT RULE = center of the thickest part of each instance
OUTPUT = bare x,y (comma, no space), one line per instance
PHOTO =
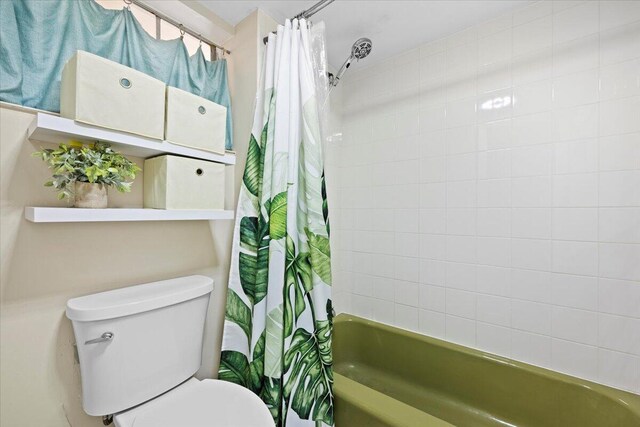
128,4
200,38
182,31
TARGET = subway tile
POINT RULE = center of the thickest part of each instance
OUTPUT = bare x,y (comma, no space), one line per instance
494,251
619,152
531,348
495,25
461,221
532,223
460,83
620,44
493,309
576,89
433,195
466,36
407,317
461,303
432,298
496,105
461,167
531,254
493,77
532,129
362,285
406,244
495,47
461,140
462,57
433,169
619,225
461,112
574,291
575,325
619,188
432,144
620,116
461,248
383,311
620,80
494,135
575,359
577,190
461,276
620,297
433,221
575,122
576,22
620,261
532,98
433,246
532,66
407,293
494,193
494,164
432,324
406,220
575,224
461,194
533,35
432,118
493,339
460,331
618,370
532,160
432,66
493,280
619,333
614,13
494,222
575,257
531,191
361,306
531,317
432,272
383,288
576,156
407,269
576,55
531,285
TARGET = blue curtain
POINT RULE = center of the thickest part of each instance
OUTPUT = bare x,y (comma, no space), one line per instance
37,37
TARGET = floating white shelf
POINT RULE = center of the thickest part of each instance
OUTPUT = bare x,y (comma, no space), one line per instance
54,129
36,214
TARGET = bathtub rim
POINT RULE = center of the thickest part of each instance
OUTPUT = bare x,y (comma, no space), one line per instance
623,397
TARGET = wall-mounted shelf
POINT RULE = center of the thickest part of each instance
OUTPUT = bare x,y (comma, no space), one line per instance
54,129
37,214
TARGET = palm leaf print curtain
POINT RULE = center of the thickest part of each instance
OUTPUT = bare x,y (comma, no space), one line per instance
278,320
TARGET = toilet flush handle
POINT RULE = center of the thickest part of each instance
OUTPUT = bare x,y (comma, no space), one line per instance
107,336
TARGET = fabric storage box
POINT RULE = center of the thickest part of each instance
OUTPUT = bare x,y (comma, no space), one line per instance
172,182
104,93
195,122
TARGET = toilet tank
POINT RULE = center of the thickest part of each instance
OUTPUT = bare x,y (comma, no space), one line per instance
148,339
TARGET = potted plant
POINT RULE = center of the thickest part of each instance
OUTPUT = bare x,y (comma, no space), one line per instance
85,171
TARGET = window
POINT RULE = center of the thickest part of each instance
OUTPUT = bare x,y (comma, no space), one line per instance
164,31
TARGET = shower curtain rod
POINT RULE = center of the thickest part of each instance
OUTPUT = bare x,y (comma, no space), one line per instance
307,13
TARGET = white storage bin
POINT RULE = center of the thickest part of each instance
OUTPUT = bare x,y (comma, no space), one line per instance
172,182
195,122
104,93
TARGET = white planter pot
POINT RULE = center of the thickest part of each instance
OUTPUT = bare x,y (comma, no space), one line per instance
88,195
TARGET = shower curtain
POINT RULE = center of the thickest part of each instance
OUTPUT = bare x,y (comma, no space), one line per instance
278,320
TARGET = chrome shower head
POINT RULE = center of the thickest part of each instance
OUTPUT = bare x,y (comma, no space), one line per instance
361,48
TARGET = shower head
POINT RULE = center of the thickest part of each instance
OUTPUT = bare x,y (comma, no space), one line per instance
360,49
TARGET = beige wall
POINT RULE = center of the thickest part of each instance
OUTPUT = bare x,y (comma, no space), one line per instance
43,265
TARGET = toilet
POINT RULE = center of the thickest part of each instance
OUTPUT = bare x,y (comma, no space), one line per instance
139,348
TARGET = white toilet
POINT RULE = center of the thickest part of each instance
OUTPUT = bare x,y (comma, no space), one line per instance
139,348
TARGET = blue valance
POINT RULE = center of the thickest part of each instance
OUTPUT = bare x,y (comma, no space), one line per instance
37,37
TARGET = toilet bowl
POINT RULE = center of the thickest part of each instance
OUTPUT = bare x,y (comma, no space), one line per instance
196,403
139,348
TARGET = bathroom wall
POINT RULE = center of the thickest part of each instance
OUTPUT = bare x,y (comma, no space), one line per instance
43,265
487,189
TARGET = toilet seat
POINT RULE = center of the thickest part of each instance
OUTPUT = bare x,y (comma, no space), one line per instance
210,403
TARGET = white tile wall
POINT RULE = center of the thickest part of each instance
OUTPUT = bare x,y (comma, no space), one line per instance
487,189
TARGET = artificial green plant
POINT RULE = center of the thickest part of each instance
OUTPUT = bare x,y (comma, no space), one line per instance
96,164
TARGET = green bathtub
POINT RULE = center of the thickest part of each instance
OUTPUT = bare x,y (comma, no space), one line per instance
385,376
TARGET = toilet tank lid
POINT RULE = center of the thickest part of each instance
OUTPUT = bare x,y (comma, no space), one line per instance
137,299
